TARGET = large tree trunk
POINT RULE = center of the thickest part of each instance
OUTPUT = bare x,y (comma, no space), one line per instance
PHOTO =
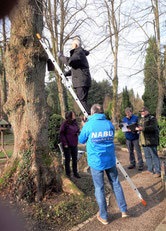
26,105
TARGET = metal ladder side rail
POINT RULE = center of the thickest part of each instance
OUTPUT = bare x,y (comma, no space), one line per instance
68,85
65,81
130,181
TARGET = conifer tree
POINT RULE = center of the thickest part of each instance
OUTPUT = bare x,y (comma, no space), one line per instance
125,101
150,95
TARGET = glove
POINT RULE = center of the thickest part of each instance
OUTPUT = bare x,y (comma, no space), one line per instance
59,54
65,73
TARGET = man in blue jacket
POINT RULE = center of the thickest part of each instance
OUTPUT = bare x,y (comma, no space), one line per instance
132,140
98,133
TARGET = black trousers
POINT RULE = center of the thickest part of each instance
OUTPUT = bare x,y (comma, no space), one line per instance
82,94
70,152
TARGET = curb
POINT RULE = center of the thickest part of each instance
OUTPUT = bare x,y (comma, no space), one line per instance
161,226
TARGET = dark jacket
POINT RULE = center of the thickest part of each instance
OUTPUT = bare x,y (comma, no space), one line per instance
79,67
149,136
69,133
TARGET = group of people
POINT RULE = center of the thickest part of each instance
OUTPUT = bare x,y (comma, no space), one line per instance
145,134
98,134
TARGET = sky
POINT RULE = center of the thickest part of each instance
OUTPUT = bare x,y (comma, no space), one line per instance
132,44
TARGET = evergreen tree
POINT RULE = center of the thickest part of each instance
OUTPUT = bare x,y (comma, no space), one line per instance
125,102
150,95
98,91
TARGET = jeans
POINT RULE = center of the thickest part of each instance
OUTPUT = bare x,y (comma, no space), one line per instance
152,159
131,144
98,180
70,152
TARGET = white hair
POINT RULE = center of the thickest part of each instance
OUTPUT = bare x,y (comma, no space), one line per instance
77,41
97,108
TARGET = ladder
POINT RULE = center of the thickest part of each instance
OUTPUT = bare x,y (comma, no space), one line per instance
65,81
68,85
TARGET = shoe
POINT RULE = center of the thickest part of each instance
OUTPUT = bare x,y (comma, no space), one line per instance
131,166
77,175
140,168
124,215
104,222
147,172
156,175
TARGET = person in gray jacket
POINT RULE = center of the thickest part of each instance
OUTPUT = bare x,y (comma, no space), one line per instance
79,71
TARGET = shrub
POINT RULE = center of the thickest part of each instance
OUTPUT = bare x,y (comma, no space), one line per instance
162,133
53,130
106,112
121,137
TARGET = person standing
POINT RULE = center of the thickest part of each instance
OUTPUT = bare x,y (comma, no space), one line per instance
68,132
132,141
99,135
79,71
149,139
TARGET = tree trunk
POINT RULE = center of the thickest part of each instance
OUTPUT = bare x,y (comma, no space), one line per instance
113,26
61,96
3,72
53,28
26,104
115,82
160,99
114,101
161,81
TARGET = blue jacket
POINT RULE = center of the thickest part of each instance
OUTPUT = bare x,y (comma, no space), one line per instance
99,134
131,135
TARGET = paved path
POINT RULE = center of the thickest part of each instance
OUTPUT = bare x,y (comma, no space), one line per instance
143,218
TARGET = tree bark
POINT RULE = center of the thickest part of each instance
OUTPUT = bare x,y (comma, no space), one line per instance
3,83
53,28
114,25
26,104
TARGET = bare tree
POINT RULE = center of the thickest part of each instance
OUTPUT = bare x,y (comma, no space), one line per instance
26,106
147,17
63,20
113,27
